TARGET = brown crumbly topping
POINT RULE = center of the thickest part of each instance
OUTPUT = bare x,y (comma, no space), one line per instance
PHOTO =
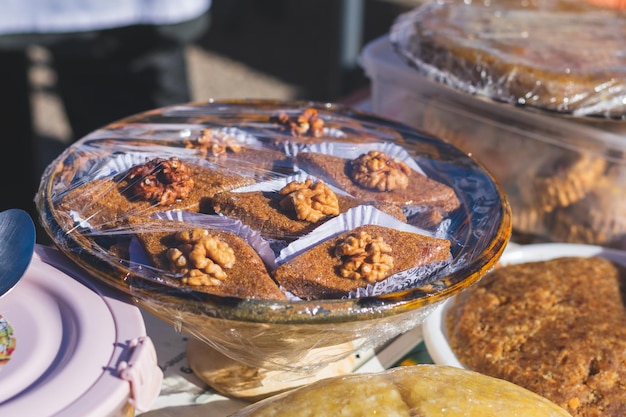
364,257
308,123
160,181
376,170
200,257
310,201
555,327
214,143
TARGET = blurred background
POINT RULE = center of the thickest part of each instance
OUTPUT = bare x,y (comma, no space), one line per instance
277,49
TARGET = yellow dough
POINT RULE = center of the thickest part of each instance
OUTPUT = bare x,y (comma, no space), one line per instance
419,390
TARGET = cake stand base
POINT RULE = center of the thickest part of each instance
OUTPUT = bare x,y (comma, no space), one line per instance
237,380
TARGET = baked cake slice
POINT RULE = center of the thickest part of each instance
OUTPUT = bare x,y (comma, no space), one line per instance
225,146
292,211
567,60
210,260
376,177
356,258
157,185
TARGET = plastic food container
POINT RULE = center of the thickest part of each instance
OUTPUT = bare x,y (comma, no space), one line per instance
244,156
564,177
72,347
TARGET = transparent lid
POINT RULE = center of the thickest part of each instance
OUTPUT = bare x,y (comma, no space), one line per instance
559,56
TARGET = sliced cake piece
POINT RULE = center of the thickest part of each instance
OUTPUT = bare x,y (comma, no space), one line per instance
354,259
292,211
157,185
377,177
212,261
224,146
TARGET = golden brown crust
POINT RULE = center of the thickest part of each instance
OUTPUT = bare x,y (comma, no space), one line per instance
555,327
421,190
247,278
106,202
315,273
540,69
420,390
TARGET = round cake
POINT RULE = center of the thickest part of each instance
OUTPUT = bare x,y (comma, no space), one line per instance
559,56
418,390
555,327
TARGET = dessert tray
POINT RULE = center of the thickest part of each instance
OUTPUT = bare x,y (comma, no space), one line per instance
259,187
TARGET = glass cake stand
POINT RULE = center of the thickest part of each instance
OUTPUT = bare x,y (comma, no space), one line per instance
292,338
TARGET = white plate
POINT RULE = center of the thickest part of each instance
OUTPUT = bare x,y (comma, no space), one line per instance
435,337
71,336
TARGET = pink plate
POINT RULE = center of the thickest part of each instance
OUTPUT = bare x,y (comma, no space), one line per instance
73,340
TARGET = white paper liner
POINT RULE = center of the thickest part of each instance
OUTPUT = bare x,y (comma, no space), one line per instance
276,185
292,148
351,219
116,165
353,151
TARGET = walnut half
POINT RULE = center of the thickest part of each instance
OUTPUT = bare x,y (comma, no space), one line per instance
202,258
376,170
161,181
213,143
310,201
364,257
308,123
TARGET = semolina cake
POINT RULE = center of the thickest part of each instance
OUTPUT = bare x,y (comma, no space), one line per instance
555,327
223,146
354,259
292,211
210,260
391,181
521,52
156,185
418,390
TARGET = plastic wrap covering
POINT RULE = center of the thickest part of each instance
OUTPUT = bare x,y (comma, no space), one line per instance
419,390
193,210
561,56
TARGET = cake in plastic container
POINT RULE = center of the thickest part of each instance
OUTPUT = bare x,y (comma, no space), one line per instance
563,56
534,90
